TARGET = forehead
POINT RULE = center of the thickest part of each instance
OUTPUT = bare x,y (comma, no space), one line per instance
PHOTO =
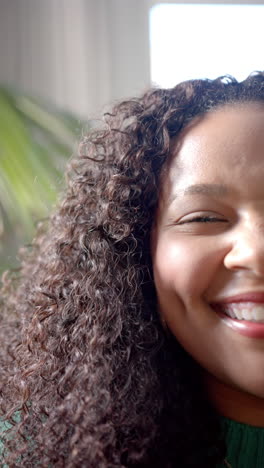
230,138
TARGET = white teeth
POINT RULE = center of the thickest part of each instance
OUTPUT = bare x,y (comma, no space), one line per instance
232,314
245,311
258,315
238,314
246,314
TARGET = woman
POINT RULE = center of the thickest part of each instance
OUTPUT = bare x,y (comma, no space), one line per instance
133,336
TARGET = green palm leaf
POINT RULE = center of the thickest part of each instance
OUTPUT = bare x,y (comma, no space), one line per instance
35,142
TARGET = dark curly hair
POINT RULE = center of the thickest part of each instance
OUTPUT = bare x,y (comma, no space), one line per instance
89,376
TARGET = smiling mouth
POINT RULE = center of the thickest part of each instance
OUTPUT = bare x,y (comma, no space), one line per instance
245,318
243,311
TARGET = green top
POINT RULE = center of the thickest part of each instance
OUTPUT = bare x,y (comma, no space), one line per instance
245,445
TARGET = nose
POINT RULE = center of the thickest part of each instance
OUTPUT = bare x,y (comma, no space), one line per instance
247,251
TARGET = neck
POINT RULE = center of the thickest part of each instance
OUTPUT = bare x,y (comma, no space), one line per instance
234,403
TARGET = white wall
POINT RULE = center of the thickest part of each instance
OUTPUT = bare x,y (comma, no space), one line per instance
80,54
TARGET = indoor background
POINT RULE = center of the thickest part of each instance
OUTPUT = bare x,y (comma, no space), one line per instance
64,61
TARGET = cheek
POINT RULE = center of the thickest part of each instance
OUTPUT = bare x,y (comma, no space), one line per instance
183,268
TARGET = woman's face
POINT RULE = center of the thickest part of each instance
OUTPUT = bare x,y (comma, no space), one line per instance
208,245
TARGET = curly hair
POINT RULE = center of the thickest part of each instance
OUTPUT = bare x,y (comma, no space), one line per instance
89,376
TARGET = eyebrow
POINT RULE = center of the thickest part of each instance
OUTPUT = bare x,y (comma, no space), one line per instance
217,190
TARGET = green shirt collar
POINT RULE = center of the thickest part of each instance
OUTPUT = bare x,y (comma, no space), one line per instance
245,445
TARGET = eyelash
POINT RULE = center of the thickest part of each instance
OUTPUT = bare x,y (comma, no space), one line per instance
203,219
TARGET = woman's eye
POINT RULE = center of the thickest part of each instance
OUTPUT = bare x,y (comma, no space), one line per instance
203,219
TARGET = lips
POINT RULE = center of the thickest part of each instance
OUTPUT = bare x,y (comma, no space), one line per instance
244,313
254,296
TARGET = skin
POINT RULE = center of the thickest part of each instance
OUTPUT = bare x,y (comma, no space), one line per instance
196,263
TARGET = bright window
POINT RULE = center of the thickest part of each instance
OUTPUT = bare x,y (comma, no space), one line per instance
201,40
